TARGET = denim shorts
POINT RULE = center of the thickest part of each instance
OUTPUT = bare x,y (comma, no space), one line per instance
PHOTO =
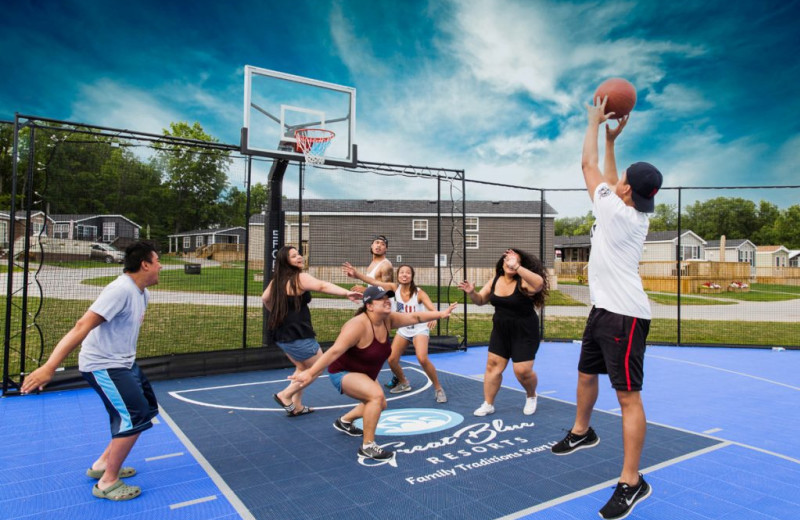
300,349
336,379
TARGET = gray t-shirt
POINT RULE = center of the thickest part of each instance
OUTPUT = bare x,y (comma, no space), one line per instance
112,344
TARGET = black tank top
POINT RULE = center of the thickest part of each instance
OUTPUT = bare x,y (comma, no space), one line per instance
517,305
297,323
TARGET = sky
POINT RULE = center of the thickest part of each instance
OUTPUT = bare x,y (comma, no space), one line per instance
496,88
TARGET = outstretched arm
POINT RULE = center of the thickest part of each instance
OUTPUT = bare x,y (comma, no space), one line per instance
37,379
348,338
404,319
309,283
610,162
477,297
351,272
590,158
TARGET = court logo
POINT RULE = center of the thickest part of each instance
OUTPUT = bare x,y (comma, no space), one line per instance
416,421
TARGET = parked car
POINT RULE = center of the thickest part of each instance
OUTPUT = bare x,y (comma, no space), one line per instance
107,253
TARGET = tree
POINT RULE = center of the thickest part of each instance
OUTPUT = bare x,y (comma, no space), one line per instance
573,226
196,177
787,228
732,217
665,218
234,203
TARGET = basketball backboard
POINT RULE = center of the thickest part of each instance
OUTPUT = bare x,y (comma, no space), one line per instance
277,104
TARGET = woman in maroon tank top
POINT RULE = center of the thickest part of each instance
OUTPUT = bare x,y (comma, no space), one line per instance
356,358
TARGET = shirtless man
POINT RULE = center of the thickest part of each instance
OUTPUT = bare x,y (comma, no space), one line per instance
380,268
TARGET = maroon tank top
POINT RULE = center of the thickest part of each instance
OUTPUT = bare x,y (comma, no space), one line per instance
368,360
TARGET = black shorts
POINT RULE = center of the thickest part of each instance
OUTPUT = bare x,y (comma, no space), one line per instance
515,339
614,344
128,396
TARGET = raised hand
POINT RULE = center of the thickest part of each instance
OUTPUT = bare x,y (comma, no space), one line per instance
612,133
467,286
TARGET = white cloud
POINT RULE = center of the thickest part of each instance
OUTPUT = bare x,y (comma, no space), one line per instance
678,100
107,103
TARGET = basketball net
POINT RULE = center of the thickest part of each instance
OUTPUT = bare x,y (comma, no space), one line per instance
313,142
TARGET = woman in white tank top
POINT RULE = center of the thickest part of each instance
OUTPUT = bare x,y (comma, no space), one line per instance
408,298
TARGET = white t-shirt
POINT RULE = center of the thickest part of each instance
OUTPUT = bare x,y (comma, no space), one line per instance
112,344
618,237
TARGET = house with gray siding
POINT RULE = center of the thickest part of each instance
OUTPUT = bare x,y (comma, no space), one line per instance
334,231
109,229
190,241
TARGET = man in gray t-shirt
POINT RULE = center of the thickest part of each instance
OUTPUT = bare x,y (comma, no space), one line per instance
108,332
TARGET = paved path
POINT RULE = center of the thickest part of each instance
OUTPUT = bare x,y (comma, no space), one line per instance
65,284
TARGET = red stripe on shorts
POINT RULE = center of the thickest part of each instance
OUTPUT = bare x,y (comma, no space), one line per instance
628,355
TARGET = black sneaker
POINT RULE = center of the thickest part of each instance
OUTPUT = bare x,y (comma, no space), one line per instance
373,451
624,499
393,383
573,442
349,428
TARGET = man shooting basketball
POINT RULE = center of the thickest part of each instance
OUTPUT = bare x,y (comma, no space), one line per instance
617,326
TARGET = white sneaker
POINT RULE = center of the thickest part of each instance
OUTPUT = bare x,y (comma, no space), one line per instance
485,409
441,397
530,405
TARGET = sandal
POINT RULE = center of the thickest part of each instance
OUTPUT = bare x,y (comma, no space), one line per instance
117,492
288,407
124,472
302,411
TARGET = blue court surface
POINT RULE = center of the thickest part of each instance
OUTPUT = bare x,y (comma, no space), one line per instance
721,443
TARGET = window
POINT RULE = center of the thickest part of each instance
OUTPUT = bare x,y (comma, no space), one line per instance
187,242
419,229
109,231
440,260
87,232
198,241
690,252
471,241
37,228
61,231
4,234
471,224
136,233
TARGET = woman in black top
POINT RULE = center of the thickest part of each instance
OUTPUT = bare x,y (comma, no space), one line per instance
287,297
518,287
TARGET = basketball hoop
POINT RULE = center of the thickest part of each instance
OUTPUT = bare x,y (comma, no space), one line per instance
313,142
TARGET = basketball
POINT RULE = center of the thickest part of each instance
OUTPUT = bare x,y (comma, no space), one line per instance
621,96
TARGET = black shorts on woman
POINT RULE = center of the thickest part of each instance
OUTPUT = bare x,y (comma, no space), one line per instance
614,344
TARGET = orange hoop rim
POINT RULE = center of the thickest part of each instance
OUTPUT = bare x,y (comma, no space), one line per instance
302,135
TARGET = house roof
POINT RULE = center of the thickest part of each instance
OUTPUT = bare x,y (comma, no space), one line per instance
573,241
212,231
771,249
79,217
670,236
730,243
384,207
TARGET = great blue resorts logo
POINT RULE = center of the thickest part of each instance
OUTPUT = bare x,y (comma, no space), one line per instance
416,421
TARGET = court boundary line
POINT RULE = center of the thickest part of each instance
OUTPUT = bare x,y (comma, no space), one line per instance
176,394
223,487
757,378
609,483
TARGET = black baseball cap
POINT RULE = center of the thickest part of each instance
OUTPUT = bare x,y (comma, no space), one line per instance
645,181
381,237
376,292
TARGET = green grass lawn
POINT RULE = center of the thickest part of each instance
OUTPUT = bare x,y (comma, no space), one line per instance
672,299
222,280
183,328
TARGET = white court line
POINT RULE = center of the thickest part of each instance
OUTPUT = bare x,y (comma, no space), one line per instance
167,456
726,370
608,483
712,430
193,502
237,504
177,395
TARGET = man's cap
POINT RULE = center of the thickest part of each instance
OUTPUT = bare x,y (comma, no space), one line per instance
645,181
376,292
381,237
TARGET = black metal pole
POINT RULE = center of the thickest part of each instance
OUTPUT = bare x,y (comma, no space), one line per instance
273,231
301,181
248,179
678,256
542,252
11,238
464,243
28,202
439,251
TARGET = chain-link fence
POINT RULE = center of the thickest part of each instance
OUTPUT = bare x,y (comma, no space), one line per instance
720,264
